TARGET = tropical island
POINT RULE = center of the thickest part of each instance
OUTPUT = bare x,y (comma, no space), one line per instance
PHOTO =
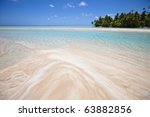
132,19
50,51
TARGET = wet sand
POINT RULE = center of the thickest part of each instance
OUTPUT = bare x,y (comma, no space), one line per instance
78,71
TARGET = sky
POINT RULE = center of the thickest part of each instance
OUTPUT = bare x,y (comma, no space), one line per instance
63,12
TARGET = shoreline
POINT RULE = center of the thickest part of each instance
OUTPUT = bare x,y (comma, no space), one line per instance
146,30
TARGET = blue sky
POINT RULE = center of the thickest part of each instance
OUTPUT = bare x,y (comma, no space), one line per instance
63,12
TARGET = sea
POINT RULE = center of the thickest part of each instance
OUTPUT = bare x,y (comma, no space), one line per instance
74,63
59,37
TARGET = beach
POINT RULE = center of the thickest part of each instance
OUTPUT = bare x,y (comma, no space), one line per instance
146,30
76,68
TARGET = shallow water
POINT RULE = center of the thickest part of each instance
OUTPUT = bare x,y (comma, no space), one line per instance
117,63
60,37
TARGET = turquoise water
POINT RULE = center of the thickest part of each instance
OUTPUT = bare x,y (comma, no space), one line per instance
131,42
49,38
57,38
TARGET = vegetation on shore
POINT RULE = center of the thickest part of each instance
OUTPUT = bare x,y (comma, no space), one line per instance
132,19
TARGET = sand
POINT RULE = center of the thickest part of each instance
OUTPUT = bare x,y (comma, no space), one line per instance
146,30
78,71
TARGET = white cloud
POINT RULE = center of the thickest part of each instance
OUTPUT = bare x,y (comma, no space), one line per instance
82,4
72,5
111,14
69,5
86,14
51,5
96,17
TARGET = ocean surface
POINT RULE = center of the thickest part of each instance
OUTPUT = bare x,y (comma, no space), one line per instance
18,44
137,42
56,38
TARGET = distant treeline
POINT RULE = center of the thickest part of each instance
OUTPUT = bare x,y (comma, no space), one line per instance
132,19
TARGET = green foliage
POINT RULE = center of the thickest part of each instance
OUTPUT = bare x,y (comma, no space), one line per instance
116,23
127,20
105,24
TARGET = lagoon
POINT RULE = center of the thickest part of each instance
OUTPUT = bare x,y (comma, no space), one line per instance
74,63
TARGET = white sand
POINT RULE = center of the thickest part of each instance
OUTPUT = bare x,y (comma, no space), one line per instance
146,30
77,72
